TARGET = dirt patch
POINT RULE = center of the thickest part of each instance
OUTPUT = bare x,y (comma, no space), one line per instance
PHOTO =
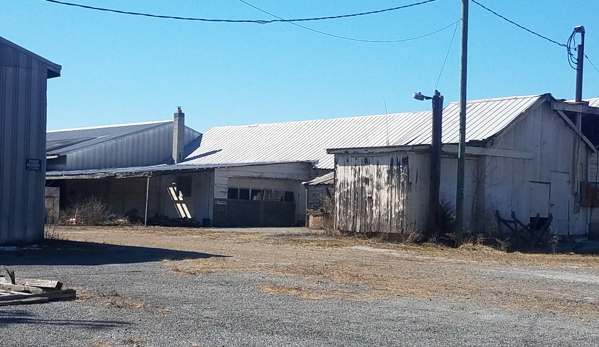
472,273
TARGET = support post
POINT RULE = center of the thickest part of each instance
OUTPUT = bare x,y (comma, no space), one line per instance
459,201
435,164
147,200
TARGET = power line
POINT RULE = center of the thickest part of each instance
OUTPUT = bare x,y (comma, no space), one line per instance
447,55
586,56
344,37
568,46
518,25
253,21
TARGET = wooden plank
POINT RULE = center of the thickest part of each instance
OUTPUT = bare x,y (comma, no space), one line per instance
21,288
34,282
16,295
25,301
64,294
491,152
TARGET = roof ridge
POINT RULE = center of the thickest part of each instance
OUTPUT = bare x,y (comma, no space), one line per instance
319,119
109,126
505,98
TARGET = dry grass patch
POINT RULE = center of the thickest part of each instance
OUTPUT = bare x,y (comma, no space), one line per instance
134,341
109,298
473,272
99,344
125,303
311,292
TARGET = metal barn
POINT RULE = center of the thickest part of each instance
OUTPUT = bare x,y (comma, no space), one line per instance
23,82
527,155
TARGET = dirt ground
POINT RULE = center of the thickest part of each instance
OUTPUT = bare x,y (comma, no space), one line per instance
348,268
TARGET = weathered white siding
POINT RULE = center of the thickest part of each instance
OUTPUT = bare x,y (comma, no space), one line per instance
372,193
559,162
23,79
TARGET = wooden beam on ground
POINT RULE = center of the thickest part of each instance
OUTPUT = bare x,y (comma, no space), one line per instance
34,282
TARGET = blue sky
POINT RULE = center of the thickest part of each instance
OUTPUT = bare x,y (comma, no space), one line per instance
125,69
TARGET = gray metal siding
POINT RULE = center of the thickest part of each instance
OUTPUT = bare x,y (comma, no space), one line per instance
148,147
23,81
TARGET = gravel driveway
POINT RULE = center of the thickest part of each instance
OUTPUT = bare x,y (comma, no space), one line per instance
129,296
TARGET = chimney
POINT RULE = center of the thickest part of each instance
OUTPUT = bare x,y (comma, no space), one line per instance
178,135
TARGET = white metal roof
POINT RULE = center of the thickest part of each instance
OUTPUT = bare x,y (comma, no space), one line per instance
593,102
309,140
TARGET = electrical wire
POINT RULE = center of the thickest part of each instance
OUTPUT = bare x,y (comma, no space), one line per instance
345,37
571,46
586,56
447,55
253,21
518,25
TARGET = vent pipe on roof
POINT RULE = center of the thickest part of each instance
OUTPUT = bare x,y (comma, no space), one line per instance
178,135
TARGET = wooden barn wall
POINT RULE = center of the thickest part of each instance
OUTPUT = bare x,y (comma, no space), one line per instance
547,183
372,193
448,188
23,83
274,176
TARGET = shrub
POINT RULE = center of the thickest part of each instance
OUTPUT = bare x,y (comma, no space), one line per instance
87,212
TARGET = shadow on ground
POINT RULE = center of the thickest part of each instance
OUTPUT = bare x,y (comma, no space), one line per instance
8,317
65,252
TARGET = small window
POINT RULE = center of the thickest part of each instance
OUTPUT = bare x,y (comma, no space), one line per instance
184,186
289,197
256,194
233,193
244,194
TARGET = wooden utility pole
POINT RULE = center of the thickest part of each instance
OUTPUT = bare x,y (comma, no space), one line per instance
435,166
459,200
579,63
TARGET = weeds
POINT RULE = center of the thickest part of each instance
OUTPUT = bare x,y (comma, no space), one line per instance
87,212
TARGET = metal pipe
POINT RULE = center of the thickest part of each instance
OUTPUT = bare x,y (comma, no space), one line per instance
147,200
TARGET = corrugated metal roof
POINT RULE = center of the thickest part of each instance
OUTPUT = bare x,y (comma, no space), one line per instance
136,171
594,102
328,179
69,140
309,140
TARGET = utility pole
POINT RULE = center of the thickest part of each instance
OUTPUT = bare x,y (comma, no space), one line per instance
459,200
579,62
435,166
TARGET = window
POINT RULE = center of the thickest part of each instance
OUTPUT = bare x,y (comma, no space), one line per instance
244,194
233,193
289,197
184,186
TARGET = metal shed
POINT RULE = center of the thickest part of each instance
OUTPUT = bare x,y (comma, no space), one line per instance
23,82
